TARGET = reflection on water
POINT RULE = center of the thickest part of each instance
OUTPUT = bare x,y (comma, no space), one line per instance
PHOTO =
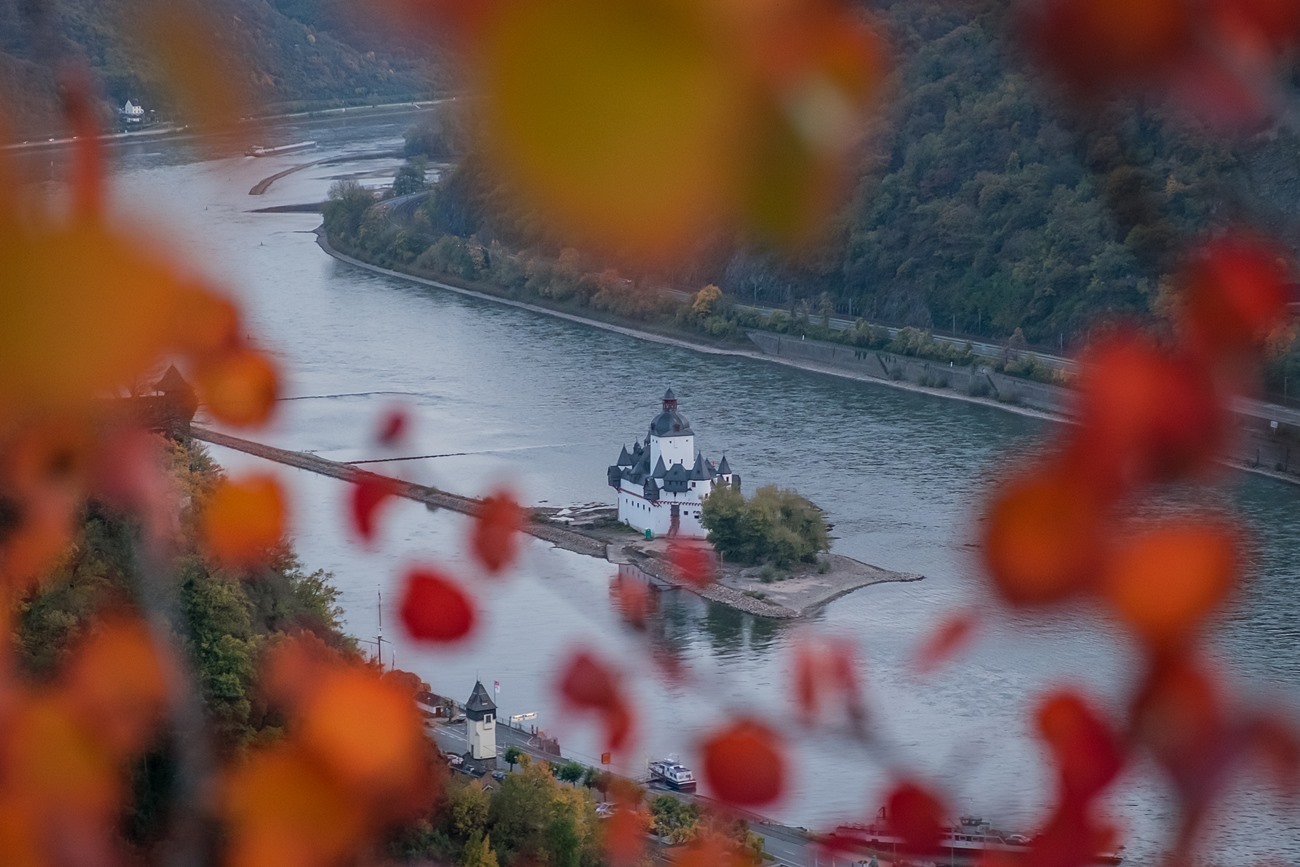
543,405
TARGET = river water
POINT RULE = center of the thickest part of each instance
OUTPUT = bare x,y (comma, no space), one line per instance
542,405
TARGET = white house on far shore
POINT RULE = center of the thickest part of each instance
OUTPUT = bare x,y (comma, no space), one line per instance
663,481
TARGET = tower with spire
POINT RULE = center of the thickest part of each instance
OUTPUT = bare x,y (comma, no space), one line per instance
662,481
481,728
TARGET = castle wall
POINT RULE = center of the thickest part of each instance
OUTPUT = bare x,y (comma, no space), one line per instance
674,450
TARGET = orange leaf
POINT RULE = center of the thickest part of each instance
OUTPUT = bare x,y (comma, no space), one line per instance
434,608
633,600
494,537
363,730
1043,537
238,387
244,520
117,684
281,808
744,764
1164,583
616,118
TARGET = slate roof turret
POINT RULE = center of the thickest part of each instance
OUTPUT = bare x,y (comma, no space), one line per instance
724,469
698,473
479,701
660,470
676,479
624,459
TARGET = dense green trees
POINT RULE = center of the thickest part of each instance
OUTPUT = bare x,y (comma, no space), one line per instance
774,526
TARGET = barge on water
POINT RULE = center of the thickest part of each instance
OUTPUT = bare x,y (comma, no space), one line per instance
965,843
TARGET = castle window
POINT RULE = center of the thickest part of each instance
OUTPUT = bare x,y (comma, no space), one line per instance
487,718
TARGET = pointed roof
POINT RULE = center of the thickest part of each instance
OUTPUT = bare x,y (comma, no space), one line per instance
171,381
668,395
624,459
698,472
479,699
724,469
660,469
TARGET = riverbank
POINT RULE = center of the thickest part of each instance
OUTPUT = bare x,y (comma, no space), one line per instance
1262,448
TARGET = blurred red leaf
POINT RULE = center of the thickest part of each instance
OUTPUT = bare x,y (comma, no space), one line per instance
825,671
1088,753
1096,45
1146,413
632,599
494,536
368,492
744,764
945,641
1235,293
434,608
589,685
392,426
692,562
916,815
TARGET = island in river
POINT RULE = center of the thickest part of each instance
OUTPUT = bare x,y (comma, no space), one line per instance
597,535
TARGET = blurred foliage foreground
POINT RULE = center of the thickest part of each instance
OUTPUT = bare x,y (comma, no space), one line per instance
145,595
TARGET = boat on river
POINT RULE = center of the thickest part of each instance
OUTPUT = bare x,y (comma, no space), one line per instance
673,774
261,151
965,842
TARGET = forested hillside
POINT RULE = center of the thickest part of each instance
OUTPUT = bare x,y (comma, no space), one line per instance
289,52
984,201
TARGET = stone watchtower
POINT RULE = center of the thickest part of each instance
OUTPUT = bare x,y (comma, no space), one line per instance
481,728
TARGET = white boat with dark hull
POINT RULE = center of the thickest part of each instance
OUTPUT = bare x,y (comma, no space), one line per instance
964,843
673,774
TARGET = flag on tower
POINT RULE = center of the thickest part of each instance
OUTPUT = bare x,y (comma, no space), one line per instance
496,687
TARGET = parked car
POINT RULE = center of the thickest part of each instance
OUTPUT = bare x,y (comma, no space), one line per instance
458,718
498,775
454,760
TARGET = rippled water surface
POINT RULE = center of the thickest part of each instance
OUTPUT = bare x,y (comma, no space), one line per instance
543,405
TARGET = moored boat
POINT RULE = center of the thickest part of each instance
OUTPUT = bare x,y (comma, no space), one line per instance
673,774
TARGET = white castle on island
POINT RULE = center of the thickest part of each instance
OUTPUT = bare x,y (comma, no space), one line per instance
657,490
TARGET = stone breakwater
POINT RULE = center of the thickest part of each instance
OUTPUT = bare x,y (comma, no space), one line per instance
430,496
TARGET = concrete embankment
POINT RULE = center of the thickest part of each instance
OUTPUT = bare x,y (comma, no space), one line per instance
1259,445
430,496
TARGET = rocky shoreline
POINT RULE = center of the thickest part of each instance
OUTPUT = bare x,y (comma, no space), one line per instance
750,589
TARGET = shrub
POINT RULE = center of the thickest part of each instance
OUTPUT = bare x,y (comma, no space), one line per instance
776,526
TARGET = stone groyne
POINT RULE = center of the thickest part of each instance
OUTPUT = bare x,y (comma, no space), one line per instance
430,496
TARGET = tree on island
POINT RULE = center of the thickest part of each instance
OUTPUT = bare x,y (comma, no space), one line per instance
774,526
